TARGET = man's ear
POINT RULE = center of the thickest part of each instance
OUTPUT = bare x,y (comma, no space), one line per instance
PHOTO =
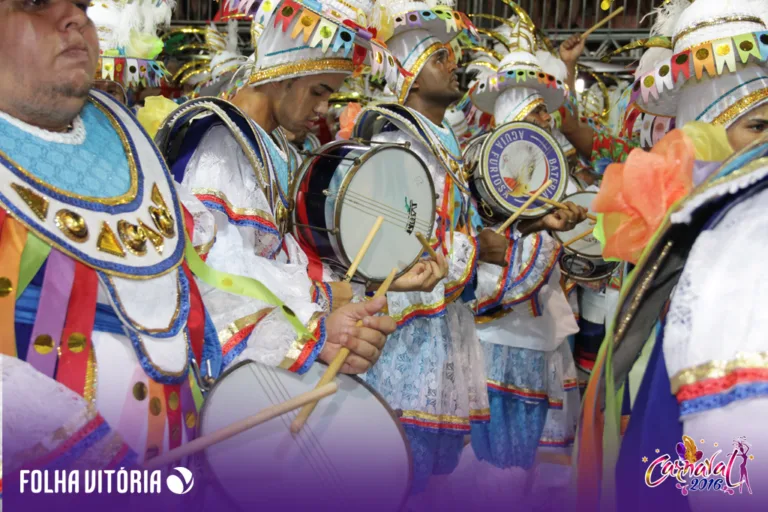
416,85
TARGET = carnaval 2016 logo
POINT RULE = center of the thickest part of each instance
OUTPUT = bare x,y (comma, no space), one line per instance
495,163
723,471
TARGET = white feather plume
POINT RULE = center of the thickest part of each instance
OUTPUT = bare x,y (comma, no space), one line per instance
232,36
667,16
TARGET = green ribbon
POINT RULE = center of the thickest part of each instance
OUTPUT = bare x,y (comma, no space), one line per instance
240,285
32,258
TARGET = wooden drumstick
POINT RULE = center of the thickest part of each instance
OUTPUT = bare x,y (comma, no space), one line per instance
576,239
562,206
512,218
363,249
428,248
603,22
337,363
201,443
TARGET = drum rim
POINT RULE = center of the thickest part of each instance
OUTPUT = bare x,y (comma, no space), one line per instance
587,279
480,174
215,479
343,191
570,250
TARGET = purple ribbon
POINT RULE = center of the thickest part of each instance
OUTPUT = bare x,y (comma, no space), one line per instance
52,310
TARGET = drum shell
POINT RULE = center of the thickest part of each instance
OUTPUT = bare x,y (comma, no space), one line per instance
324,189
575,262
276,385
314,177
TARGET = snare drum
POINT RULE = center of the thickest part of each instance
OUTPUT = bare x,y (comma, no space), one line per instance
344,186
515,161
583,259
352,453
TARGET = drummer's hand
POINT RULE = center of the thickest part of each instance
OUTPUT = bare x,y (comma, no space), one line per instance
493,247
559,220
565,220
365,342
423,276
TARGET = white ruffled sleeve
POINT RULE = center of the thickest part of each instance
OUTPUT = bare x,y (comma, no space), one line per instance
716,340
530,262
238,235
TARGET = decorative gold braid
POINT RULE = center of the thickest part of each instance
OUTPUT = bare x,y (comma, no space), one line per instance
737,109
292,68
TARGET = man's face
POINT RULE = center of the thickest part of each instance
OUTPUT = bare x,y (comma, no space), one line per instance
112,88
304,100
437,81
48,53
750,127
540,117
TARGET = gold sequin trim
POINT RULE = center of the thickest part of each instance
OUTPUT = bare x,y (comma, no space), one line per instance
488,65
416,69
238,325
740,107
716,21
298,344
718,369
443,418
306,66
90,378
527,110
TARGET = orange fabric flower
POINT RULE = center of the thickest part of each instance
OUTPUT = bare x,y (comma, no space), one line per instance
636,195
347,120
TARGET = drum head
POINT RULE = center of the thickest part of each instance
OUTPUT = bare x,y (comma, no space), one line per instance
392,182
517,159
352,452
588,246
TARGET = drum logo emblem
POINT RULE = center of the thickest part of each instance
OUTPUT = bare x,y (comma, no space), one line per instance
519,160
410,207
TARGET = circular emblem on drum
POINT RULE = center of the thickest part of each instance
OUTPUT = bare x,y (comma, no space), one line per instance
517,159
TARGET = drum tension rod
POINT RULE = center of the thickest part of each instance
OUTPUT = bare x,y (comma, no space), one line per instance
313,228
204,383
406,144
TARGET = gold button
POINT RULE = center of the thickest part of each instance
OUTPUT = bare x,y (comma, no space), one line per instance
173,401
43,344
190,420
175,434
648,81
76,342
746,46
702,53
6,286
155,407
139,391
724,50
151,453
